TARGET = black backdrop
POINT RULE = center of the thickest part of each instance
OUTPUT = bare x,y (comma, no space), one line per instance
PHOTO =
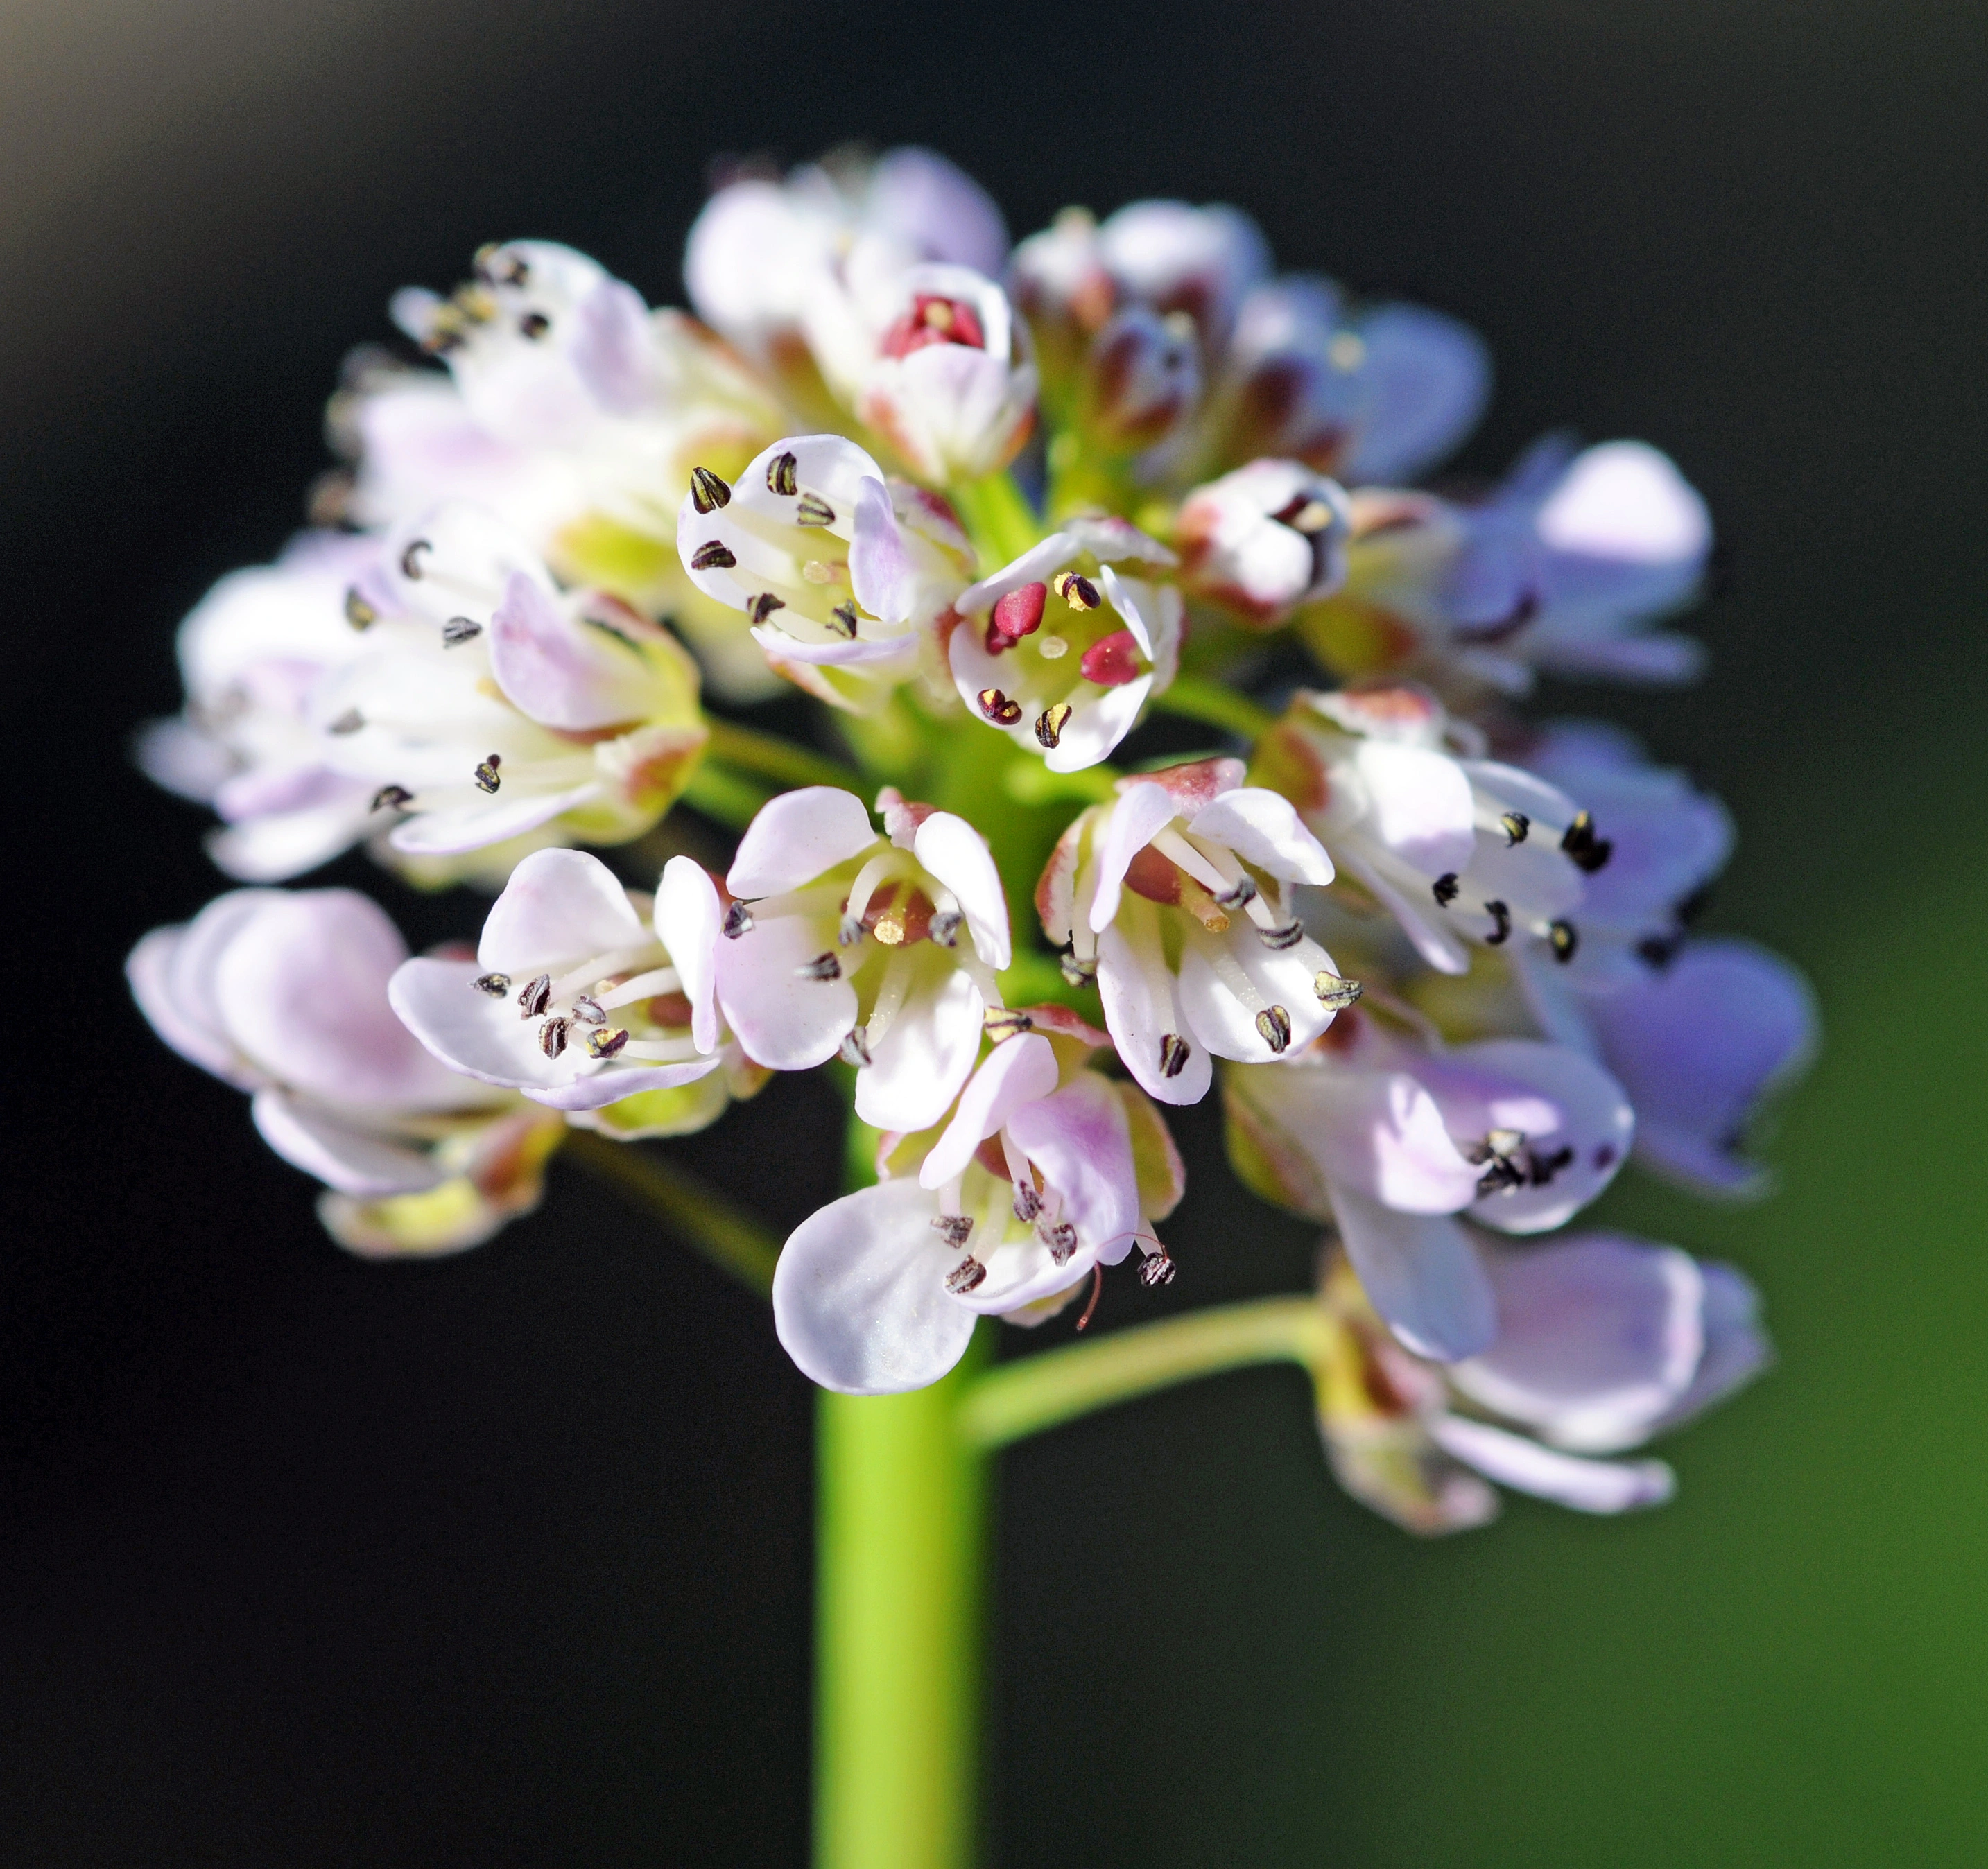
505,1559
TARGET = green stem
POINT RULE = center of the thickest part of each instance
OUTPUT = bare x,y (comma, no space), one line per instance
747,750
900,1558
998,519
725,796
1025,1396
692,1212
1194,698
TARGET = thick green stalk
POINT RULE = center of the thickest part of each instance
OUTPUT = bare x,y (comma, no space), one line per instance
746,749
1195,697
901,1563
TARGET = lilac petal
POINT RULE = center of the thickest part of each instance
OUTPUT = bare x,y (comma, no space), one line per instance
688,922
619,1081
1736,1349
1081,1140
1141,1012
556,671
920,1064
560,908
1435,944
1421,1273
1379,1133
1016,1072
1262,828
1584,1485
302,989
1428,379
1697,1045
936,210
786,1021
470,1032
957,855
859,1294
610,347
178,1003
796,837
350,1160
1625,501
1599,1337
881,571
1141,812
475,827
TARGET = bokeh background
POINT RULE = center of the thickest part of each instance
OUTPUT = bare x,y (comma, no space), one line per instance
506,1560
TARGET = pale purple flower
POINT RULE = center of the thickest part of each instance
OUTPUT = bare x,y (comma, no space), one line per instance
284,995
1174,257
1264,540
882,950
1189,862
1142,380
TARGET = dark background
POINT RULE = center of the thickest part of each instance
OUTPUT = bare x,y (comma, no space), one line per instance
505,1559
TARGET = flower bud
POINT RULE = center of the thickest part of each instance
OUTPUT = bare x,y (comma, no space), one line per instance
1142,377
1174,258
1058,283
1264,540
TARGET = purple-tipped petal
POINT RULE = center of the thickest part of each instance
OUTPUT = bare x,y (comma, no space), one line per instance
1584,1485
1421,1274
559,907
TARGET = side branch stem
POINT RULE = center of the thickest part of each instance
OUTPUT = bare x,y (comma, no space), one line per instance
747,749
690,1211
1023,1397
1195,698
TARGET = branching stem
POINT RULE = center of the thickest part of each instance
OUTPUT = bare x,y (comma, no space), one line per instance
1195,698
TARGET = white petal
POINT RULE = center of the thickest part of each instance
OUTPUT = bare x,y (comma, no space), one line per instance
1436,944
188,1027
1126,604
958,856
560,907
859,1294
1142,811
476,1035
797,835
1036,565
1016,1072
1220,1020
1585,1485
1421,806
687,924
1262,828
919,1065
1421,1274
880,571
1079,1138
619,1081
1137,994
1626,501
786,1021
556,670
350,1160
475,827
1097,723
1428,379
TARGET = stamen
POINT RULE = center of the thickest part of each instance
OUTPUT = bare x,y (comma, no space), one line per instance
1564,939
1445,888
1050,723
495,985
606,1044
970,1275
1157,1269
780,475
391,798
647,984
1500,1174
1060,1238
843,621
410,559
588,1011
1274,1024
1001,1022
814,510
1078,591
713,554
1173,1051
855,1048
954,1229
1277,940
1545,1166
1589,852
945,926
764,605
738,919
1028,1203
458,630
350,721
1501,918
822,967
1078,971
999,708
360,614
535,996
707,491
485,774
534,325
551,1037
1334,992
1516,824
1241,896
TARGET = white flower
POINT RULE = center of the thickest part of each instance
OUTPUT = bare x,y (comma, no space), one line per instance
953,384
879,1290
1142,380
1065,659
838,941
284,995
842,573
1604,1342
486,704
572,999
1172,897
1264,540
1174,258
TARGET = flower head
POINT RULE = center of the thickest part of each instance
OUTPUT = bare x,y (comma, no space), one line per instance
1264,540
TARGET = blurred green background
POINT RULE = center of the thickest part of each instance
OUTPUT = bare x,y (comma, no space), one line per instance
506,1560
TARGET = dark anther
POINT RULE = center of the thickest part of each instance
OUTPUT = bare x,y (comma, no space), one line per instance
535,995
1061,1240
1158,1269
410,559
485,774
967,1276
551,1037
954,1229
842,620
765,604
1564,940
1096,1292
534,325
814,510
1588,851
1334,992
460,630
1050,723
495,985
944,929
1444,889
1604,1156
1027,1203
1302,513
392,798
1002,1022
350,721
1173,1055
360,614
495,267
1277,940
1275,1024
1660,950
738,920
1077,972
1545,1166
588,1011
999,708
712,556
707,491
1501,924
1240,895
822,967
780,476
1499,1174
606,1044
854,1048
1078,591
1516,824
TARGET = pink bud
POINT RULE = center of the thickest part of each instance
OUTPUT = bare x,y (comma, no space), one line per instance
1112,661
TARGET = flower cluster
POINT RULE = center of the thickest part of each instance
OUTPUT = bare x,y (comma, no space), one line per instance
1000,509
